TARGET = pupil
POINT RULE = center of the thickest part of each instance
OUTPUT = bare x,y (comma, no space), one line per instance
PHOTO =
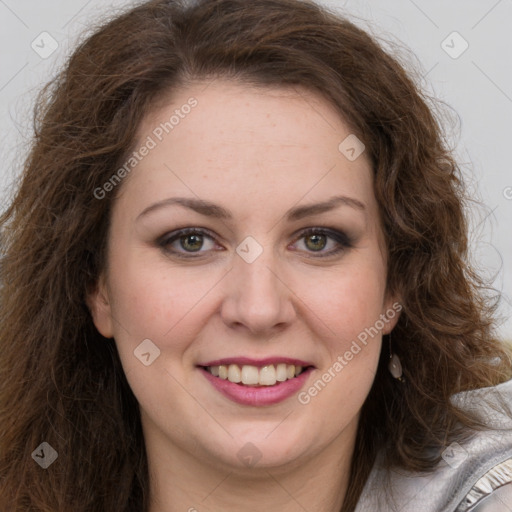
194,246
316,239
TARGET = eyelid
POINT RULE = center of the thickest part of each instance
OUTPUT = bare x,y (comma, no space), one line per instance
341,238
172,236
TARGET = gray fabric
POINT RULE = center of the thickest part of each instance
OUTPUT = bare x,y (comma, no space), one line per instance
493,482
445,489
499,501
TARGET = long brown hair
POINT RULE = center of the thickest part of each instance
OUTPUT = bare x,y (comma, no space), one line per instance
62,382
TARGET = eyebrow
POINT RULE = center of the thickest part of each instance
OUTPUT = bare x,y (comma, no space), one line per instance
210,209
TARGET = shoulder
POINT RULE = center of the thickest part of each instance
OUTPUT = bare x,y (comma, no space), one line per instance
491,492
470,477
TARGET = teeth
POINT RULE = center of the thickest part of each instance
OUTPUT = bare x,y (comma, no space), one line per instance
254,376
281,374
223,371
267,376
250,375
234,373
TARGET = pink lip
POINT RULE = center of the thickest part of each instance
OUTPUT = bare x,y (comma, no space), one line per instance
257,396
255,362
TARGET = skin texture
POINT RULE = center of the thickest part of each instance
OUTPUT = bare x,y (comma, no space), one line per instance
257,152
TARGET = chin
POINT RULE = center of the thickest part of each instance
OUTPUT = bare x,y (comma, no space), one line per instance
254,449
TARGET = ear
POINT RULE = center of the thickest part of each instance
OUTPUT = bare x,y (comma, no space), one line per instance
392,308
98,302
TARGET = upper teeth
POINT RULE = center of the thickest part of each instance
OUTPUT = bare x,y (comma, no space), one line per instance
253,376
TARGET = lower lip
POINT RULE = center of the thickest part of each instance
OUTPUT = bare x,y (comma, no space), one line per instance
258,396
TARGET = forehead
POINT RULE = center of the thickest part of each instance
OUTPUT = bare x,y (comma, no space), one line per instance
228,112
246,144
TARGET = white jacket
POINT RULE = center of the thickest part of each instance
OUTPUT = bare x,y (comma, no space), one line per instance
475,476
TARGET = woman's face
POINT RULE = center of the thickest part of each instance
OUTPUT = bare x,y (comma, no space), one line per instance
247,288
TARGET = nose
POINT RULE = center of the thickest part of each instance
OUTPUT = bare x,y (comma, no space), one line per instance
258,298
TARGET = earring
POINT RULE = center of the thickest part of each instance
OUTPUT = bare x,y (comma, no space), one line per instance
394,365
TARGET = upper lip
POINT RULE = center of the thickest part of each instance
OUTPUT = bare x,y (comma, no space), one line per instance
255,362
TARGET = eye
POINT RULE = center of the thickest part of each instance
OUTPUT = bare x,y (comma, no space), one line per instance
315,240
188,240
192,242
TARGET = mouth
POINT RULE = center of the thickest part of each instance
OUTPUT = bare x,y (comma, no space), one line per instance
255,383
256,376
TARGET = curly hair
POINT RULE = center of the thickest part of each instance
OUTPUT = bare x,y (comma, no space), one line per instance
63,382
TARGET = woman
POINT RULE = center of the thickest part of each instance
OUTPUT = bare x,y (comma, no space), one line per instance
235,278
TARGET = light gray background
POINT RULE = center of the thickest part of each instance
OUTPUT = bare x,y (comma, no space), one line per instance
477,85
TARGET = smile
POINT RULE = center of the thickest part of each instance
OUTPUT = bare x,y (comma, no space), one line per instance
257,384
249,375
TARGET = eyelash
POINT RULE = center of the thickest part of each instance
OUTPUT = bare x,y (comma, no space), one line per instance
342,239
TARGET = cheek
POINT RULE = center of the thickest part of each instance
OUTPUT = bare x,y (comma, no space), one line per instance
346,311
150,304
347,303
152,297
